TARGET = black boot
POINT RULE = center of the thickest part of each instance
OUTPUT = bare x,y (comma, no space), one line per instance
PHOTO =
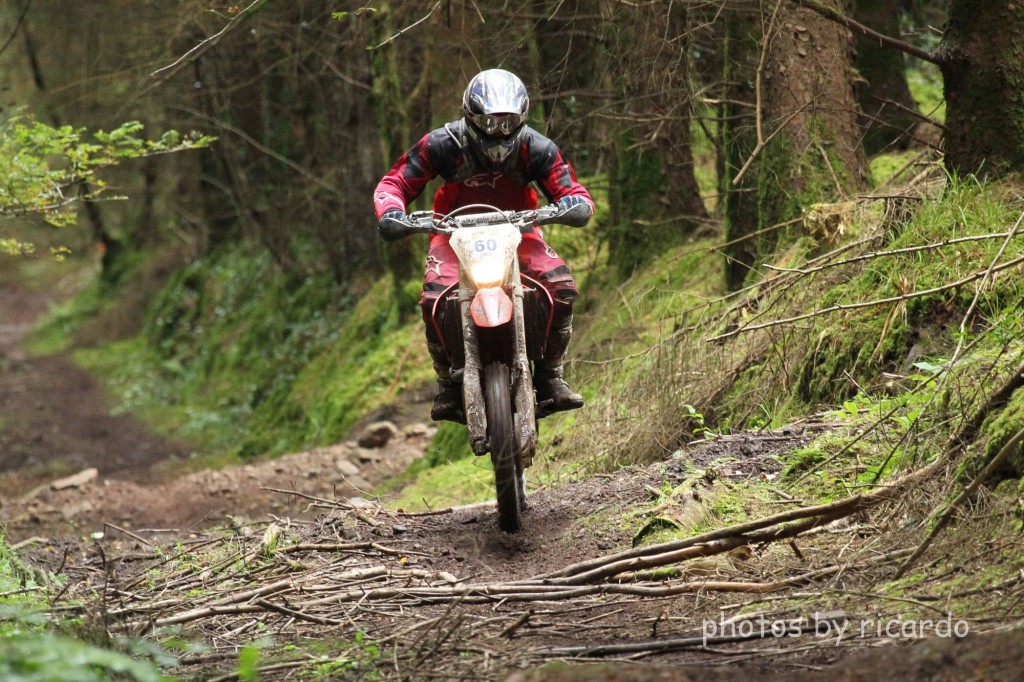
448,401
548,377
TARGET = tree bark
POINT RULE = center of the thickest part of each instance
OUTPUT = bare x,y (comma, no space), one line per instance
887,107
389,99
742,33
812,151
982,62
659,196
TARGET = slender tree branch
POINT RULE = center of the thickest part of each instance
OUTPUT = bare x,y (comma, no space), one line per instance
981,287
894,252
869,304
758,108
410,26
207,43
995,463
249,139
17,26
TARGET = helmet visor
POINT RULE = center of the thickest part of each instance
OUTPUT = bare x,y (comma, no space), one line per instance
497,125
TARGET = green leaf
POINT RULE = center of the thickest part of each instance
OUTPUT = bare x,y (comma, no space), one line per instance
45,167
930,368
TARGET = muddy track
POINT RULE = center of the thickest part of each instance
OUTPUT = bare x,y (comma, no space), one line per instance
68,466
54,418
446,595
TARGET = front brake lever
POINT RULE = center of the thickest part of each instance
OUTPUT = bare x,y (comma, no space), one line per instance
526,220
440,228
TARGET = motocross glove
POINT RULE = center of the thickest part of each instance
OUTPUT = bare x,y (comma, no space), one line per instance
393,225
573,211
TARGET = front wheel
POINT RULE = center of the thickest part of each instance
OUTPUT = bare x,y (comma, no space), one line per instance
508,470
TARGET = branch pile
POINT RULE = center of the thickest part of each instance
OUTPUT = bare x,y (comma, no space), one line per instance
227,591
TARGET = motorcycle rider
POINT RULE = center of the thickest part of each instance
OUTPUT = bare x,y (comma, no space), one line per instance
490,156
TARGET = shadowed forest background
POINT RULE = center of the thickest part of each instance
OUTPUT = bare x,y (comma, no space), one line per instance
686,119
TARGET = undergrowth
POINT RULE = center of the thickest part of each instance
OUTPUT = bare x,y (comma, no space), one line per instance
34,648
237,358
829,325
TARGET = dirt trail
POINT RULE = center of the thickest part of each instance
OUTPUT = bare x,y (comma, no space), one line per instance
68,466
54,418
447,596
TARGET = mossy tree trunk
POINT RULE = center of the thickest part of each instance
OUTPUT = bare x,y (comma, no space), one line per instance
660,201
811,135
982,62
391,102
887,107
741,38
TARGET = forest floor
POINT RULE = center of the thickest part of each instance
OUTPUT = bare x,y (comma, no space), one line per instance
291,569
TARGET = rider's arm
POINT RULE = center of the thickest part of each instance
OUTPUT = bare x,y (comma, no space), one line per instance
552,171
410,174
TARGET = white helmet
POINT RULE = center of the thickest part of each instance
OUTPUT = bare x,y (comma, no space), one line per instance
495,105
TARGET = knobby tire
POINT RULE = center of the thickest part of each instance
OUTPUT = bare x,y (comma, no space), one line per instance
504,454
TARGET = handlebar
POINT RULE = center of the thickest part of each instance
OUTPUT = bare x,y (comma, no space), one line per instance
427,221
431,223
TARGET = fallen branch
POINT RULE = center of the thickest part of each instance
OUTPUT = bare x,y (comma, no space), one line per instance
995,463
869,304
274,667
336,547
969,431
519,591
298,615
871,255
656,646
981,287
832,511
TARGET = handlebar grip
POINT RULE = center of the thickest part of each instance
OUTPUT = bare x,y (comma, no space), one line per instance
392,230
576,216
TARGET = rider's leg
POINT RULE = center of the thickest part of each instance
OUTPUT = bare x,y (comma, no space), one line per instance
549,375
441,271
448,401
541,262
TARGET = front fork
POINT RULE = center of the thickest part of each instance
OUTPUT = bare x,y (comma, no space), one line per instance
522,379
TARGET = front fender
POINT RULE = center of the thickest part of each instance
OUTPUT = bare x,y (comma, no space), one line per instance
491,307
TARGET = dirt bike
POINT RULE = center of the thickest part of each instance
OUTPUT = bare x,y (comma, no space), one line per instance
493,324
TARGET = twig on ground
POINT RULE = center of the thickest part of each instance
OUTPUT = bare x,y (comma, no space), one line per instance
1009,448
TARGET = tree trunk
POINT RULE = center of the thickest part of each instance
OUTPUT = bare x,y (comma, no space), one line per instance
887,108
739,140
983,69
393,124
811,136
658,190
567,56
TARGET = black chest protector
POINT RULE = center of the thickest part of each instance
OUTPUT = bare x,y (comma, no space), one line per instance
457,159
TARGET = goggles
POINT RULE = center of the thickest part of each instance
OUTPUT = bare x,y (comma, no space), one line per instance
497,125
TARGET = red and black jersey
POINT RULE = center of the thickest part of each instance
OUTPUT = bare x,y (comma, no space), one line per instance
447,152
